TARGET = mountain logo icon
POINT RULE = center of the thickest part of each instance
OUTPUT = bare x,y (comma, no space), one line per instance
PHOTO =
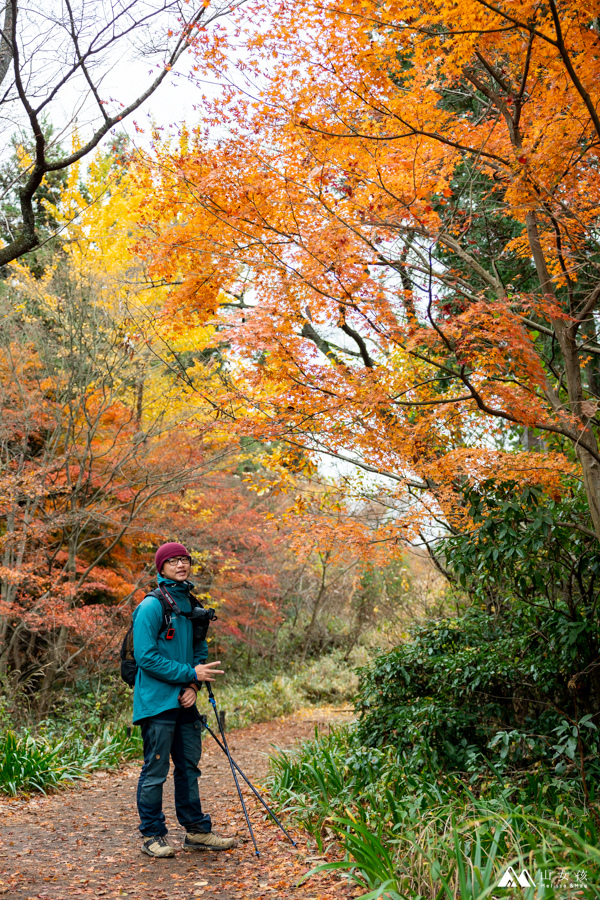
511,879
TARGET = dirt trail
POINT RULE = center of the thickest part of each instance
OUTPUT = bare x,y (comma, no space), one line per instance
83,843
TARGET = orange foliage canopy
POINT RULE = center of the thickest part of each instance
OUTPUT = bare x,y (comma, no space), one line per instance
106,452
398,237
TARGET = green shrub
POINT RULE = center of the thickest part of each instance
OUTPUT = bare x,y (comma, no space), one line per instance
91,703
465,690
408,834
505,679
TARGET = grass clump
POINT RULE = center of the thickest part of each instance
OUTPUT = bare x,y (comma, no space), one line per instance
46,762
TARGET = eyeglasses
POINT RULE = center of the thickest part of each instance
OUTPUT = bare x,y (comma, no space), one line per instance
177,559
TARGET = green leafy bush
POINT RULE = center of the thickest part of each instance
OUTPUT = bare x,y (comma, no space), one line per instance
91,703
444,695
532,566
504,680
409,834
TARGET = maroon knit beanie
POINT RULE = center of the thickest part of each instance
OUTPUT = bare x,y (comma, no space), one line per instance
166,551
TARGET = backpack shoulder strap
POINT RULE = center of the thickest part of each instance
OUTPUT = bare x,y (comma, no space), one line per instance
166,609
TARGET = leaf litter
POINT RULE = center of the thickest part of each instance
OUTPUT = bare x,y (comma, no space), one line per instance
83,843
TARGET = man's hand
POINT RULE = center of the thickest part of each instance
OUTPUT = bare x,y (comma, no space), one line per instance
207,671
188,697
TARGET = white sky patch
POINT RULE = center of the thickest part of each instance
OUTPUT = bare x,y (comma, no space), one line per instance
121,73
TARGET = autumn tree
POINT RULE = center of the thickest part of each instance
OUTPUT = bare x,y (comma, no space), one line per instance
113,441
86,458
96,431
399,239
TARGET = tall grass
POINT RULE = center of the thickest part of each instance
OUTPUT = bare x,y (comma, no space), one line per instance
429,835
46,762
329,680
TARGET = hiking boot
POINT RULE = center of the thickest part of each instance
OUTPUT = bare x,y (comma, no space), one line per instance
157,846
197,840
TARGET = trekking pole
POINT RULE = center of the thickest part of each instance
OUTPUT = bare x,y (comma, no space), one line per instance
249,783
213,703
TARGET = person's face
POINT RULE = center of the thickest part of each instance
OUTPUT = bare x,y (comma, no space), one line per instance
177,568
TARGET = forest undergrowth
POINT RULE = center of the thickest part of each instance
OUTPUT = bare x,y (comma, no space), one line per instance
89,727
476,744
429,834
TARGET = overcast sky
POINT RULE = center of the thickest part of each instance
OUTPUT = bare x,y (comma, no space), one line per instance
171,104
121,72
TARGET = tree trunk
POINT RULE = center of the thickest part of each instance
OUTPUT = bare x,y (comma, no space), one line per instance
53,667
591,481
316,607
6,47
566,335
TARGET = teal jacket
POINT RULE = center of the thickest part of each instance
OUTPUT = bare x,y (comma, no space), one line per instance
164,666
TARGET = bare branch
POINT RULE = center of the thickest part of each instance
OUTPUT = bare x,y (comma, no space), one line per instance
27,239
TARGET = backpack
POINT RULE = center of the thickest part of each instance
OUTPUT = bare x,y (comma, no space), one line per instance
201,619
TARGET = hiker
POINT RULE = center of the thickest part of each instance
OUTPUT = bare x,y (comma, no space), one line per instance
171,666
